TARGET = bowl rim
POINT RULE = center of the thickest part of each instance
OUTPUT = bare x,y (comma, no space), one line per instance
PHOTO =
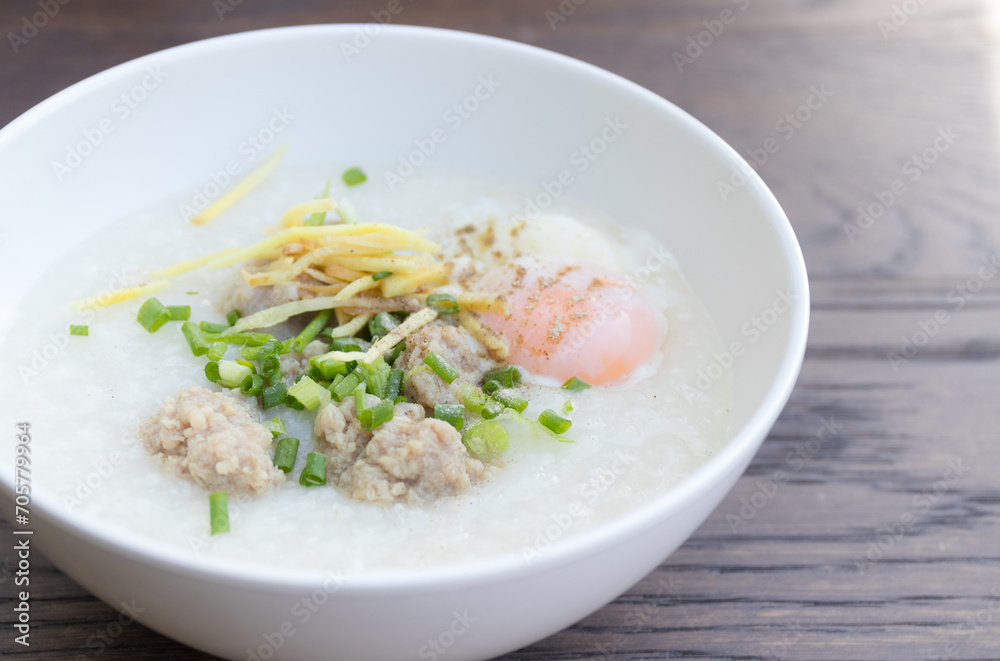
734,455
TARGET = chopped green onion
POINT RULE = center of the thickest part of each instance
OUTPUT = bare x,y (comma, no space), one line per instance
378,378
382,324
191,293
444,303
353,176
310,394
346,387
269,365
349,344
195,338
575,384
218,507
441,367
377,415
285,453
274,395
216,350
318,217
346,211
314,474
277,376
246,339
394,386
253,385
486,440
152,315
392,354
75,329
400,400
453,414
491,387
554,422
233,316
567,407
179,312
294,404
227,373
210,327
311,330
492,409
276,426
329,369
510,400
381,275
270,348
507,376
472,397
359,401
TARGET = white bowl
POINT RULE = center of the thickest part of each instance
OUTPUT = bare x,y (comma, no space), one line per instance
186,108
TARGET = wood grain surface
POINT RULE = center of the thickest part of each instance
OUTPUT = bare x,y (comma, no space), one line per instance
866,528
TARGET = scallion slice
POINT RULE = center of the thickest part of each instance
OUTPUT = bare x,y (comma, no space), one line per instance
507,376
554,422
218,507
211,327
195,338
276,426
394,386
285,453
567,407
392,354
444,303
75,329
314,474
329,369
510,400
382,324
153,314
216,350
492,409
320,216
252,385
441,367
486,440
575,384
453,414
378,378
354,176
359,401
179,312
376,416
311,330
233,316
310,394
381,275
346,386
274,395
349,344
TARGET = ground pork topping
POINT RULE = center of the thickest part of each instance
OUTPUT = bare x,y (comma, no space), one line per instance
213,439
458,348
409,459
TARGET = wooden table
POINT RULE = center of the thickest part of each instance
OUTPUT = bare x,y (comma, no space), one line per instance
883,541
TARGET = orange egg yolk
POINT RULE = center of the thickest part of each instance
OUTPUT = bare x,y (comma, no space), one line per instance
570,319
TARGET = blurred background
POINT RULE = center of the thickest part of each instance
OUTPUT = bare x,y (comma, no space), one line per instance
874,124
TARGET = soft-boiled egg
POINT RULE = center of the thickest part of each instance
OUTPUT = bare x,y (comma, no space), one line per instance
570,317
